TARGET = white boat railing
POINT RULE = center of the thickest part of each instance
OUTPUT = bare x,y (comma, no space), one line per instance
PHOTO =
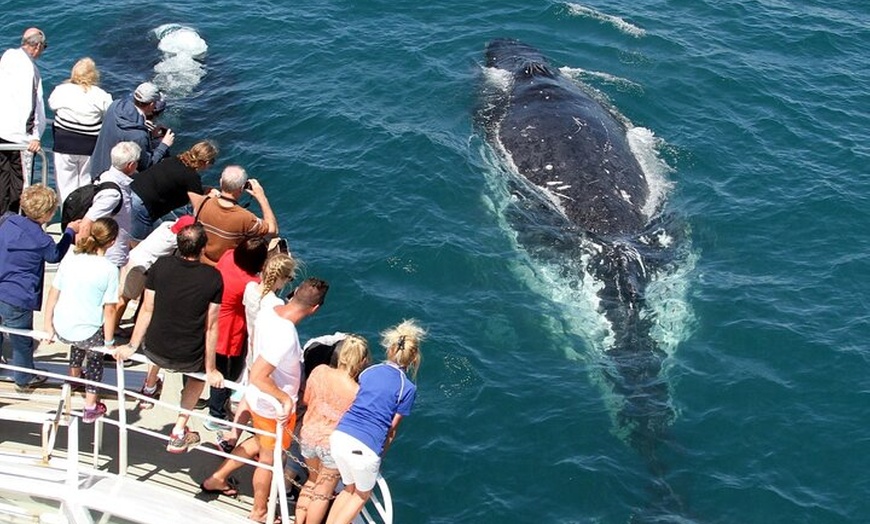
64,415
43,155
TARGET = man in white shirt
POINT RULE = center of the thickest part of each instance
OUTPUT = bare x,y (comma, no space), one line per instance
276,373
22,114
125,158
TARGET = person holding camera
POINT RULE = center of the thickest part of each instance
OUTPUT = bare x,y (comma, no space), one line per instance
227,223
169,185
125,120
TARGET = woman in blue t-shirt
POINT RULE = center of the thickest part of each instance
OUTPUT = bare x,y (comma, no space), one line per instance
365,432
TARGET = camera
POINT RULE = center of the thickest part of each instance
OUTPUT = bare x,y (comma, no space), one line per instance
248,185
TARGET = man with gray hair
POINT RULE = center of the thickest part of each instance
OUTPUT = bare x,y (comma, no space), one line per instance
125,120
22,114
227,223
125,157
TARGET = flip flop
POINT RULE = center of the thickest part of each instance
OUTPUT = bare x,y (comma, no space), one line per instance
277,520
232,489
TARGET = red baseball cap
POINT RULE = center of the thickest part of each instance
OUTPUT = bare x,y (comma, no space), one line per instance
182,223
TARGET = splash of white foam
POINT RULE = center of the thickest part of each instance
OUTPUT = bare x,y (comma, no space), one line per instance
617,22
180,70
667,298
622,84
644,146
498,78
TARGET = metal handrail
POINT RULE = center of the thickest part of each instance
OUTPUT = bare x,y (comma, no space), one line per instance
277,495
42,153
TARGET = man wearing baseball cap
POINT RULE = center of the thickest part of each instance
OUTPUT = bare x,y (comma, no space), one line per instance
161,242
126,120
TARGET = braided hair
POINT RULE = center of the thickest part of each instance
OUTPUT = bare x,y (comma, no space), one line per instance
278,266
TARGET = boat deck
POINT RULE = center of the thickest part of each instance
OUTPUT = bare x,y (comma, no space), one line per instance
148,461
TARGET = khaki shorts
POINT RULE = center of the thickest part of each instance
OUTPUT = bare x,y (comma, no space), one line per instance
134,283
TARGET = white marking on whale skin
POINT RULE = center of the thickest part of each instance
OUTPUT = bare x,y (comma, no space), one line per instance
563,188
625,196
554,182
548,167
644,145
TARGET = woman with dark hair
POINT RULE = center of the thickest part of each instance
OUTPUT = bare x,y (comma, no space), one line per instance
81,308
167,185
237,267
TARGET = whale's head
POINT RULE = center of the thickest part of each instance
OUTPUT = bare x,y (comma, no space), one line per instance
518,58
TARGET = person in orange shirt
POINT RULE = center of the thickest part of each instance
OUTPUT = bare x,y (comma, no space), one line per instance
227,223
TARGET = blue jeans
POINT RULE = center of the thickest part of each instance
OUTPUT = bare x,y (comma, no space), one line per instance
22,347
142,224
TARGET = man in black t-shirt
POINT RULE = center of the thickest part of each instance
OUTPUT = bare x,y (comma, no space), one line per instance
178,323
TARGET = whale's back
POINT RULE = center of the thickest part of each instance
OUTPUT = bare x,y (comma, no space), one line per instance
565,142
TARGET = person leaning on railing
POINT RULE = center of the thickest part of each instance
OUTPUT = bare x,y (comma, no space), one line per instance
329,392
178,326
24,250
276,374
365,432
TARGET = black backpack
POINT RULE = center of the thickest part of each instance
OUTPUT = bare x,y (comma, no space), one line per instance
79,201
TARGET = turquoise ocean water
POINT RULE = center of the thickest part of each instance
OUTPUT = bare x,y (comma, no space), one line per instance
357,118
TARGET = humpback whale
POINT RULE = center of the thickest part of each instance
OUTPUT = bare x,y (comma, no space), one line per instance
575,164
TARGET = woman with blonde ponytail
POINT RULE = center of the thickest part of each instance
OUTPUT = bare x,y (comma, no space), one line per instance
81,308
365,432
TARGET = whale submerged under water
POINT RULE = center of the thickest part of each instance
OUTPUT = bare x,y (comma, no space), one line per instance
575,165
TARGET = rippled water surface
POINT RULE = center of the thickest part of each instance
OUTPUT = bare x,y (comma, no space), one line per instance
357,118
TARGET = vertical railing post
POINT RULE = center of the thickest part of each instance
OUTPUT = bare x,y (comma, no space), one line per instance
122,419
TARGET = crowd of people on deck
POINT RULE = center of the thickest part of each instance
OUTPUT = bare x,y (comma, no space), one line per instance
207,275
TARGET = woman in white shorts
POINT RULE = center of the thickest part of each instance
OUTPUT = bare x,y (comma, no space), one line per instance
365,432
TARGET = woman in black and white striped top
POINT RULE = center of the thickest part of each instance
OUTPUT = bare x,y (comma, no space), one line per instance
78,105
